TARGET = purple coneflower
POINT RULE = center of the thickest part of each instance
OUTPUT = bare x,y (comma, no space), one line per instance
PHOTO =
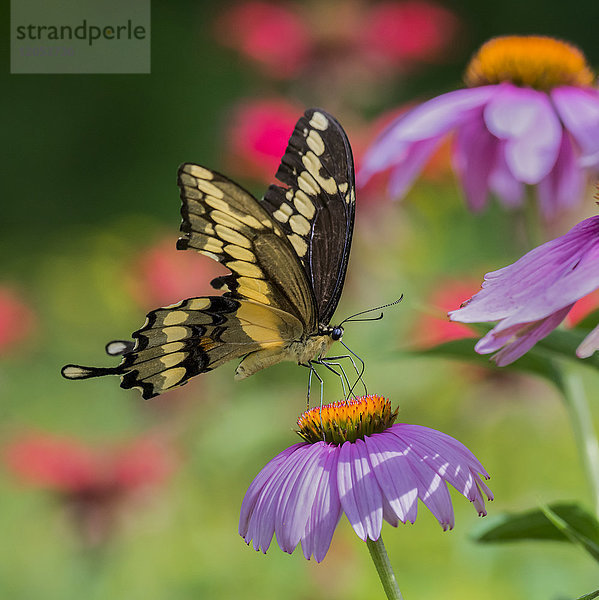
532,296
529,116
367,467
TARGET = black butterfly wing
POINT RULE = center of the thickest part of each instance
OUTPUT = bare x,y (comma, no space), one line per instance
316,210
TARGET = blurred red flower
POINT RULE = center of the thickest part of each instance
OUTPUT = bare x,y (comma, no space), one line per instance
163,275
94,482
272,35
434,327
17,320
583,308
285,39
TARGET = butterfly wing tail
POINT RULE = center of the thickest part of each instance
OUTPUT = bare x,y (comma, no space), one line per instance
81,372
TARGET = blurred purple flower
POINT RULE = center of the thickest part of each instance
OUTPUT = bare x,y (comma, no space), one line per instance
529,117
531,297
373,471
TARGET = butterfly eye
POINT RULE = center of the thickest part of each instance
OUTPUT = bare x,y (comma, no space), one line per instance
337,333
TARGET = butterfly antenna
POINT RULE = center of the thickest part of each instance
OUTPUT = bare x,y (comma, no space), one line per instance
363,312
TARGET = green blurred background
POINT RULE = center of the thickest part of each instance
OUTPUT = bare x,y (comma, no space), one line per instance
89,184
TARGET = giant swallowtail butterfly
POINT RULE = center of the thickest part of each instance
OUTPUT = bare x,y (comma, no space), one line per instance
287,254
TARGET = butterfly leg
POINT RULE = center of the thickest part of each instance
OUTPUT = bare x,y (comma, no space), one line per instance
313,371
341,373
359,372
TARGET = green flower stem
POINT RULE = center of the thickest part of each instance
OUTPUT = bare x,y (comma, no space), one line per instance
584,432
384,569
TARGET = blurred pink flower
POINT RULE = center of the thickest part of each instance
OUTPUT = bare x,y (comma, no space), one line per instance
287,39
434,329
402,32
93,482
17,320
163,275
530,116
582,309
258,135
274,36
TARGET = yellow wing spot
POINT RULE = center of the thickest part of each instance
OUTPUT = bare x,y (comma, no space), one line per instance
298,244
224,218
244,268
319,121
240,253
187,180
304,204
232,236
249,221
252,294
198,303
211,244
209,188
351,198
289,194
313,164
307,184
174,334
343,187
175,317
172,377
280,216
198,171
299,224
255,284
171,360
315,142
217,203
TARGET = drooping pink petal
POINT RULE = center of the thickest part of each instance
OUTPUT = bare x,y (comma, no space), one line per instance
359,493
394,476
259,524
589,345
578,109
527,121
474,159
297,497
562,187
326,511
432,489
415,157
519,338
430,120
502,182
545,280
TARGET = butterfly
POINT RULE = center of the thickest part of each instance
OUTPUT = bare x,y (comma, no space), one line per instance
287,255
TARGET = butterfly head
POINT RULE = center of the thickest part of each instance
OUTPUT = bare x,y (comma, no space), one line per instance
335,333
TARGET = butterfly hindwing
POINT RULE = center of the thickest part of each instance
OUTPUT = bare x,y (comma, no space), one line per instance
316,211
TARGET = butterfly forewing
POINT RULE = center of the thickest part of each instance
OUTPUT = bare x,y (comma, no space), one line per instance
316,211
225,222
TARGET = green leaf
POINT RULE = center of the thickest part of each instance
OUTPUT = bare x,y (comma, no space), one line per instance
590,596
558,522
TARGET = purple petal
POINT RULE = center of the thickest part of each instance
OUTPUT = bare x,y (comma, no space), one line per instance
518,339
297,496
589,345
526,119
262,524
578,109
411,162
433,119
542,282
359,492
253,494
563,186
475,153
502,182
394,475
449,458
326,510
